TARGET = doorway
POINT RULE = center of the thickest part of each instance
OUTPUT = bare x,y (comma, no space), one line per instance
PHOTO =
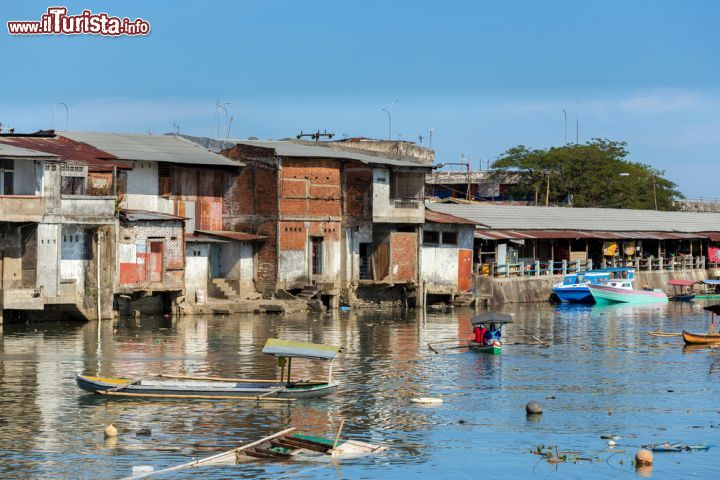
155,261
316,255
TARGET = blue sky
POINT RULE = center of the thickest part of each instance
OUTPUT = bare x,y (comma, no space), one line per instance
484,76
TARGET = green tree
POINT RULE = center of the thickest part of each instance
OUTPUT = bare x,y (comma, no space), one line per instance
595,174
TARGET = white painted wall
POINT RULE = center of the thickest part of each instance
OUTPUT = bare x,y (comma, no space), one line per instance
440,268
439,264
383,208
142,189
197,269
292,266
48,254
75,255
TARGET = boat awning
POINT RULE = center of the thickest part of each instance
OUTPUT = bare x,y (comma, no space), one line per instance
494,317
682,283
713,308
291,348
711,282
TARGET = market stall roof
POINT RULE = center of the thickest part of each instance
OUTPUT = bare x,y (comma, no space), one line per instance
491,234
514,217
291,348
681,282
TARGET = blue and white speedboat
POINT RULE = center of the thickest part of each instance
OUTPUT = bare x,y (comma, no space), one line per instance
574,287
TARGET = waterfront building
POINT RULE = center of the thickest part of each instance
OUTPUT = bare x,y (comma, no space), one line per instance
57,216
338,221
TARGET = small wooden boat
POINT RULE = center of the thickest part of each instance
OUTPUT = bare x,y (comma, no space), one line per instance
622,292
493,323
700,339
284,445
682,290
216,388
711,337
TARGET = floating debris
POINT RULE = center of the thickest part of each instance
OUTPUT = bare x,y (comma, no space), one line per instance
427,400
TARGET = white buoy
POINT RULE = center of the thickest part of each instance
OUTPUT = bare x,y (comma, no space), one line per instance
111,431
427,400
611,443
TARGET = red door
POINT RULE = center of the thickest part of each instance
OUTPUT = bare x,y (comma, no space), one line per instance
155,262
464,270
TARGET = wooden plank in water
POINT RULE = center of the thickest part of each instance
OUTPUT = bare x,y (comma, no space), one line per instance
215,458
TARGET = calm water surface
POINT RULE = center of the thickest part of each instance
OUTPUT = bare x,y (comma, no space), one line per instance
600,375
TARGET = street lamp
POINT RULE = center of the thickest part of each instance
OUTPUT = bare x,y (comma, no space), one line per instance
389,114
652,179
67,115
467,167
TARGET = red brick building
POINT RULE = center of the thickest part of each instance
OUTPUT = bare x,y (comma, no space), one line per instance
338,220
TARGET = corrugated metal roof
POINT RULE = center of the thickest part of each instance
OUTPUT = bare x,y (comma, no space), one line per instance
69,150
505,217
136,215
438,217
489,234
241,236
151,148
290,348
285,148
195,238
12,151
714,236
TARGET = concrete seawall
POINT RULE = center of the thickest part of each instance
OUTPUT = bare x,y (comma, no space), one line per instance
538,289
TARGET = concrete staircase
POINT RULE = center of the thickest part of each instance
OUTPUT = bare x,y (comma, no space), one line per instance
464,299
308,292
223,289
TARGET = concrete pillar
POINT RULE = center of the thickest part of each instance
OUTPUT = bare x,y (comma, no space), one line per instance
564,267
537,268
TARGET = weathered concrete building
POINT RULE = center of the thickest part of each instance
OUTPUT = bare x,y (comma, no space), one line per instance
175,188
59,255
341,222
447,254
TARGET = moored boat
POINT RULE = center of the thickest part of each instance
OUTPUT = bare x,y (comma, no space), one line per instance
574,287
488,336
682,290
700,339
710,338
621,291
188,387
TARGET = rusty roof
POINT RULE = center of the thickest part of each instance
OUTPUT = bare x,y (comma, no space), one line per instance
241,236
68,150
137,215
437,217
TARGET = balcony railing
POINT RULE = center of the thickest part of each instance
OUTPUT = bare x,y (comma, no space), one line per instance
564,267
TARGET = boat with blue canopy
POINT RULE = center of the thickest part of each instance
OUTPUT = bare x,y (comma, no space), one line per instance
488,336
187,387
574,287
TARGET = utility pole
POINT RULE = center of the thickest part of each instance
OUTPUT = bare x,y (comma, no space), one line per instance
389,114
652,176
547,192
577,122
565,114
